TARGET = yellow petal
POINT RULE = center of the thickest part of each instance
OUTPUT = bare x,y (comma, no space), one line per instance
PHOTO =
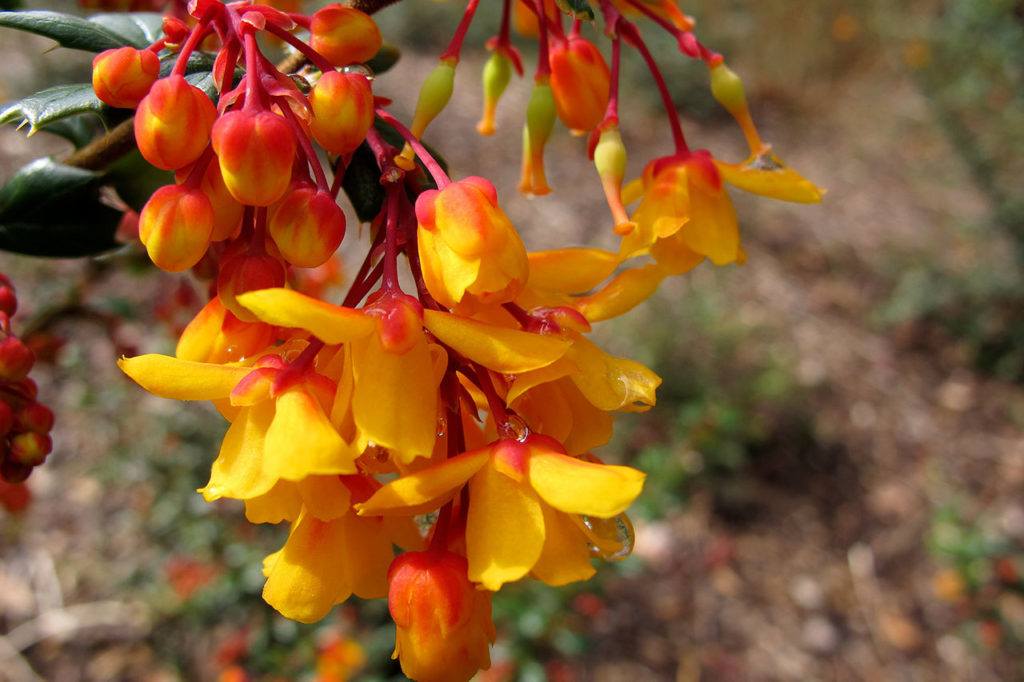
769,177
331,324
508,351
307,580
368,556
612,383
176,379
712,229
325,497
528,380
566,555
591,427
572,270
504,530
626,291
427,489
577,487
395,399
239,472
280,503
301,441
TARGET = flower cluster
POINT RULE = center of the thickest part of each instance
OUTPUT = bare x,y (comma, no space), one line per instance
451,403
25,423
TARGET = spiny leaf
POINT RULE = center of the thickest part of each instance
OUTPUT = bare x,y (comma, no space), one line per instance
49,209
69,31
53,104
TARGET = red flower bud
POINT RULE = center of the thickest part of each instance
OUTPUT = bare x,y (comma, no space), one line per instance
16,359
580,82
14,497
175,30
121,77
8,300
342,111
35,417
307,227
344,35
173,123
256,151
175,226
443,622
30,448
6,419
247,272
227,212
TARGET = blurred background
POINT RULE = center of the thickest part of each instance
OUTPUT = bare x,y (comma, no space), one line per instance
836,460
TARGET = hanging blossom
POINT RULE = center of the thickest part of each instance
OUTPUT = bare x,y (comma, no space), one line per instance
454,386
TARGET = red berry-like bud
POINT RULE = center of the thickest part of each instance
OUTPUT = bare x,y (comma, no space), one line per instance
580,82
173,123
6,419
16,359
344,35
307,227
121,77
14,497
35,417
247,272
175,30
342,111
30,448
8,300
13,472
175,226
256,151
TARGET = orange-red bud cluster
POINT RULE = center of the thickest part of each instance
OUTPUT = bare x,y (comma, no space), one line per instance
123,76
173,123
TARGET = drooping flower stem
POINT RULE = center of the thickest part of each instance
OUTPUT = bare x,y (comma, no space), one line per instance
426,158
632,36
454,49
305,144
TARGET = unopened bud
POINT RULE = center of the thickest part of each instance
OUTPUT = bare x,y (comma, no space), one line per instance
727,89
30,448
247,272
307,227
35,417
435,93
256,151
540,120
344,35
16,359
175,226
342,106
580,83
496,77
121,77
173,123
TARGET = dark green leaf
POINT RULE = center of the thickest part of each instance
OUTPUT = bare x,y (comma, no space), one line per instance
53,104
362,184
49,209
385,58
140,29
577,9
78,130
69,31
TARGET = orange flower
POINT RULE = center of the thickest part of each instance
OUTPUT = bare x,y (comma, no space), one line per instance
468,245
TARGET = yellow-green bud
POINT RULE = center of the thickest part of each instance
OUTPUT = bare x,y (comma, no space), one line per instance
540,114
434,95
610,155
496,76
727,89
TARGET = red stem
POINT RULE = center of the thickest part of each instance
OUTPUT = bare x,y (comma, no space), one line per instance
632,36
455,46
198,33
390,281
255,96
315,58
306,145
433,167
543,62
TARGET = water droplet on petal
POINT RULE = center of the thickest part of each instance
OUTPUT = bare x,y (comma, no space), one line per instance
515,428
361,69
610,539
442,427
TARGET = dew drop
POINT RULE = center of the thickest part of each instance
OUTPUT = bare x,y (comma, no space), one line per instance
361,69
610,539
516,429
442,427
